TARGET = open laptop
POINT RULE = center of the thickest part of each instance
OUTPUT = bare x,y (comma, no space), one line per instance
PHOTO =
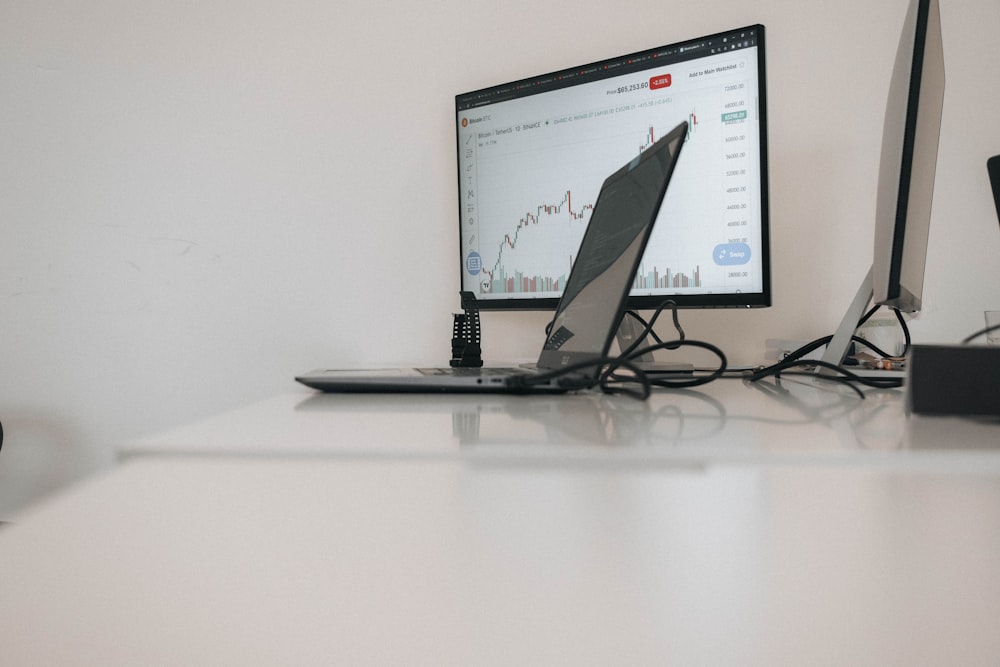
591,306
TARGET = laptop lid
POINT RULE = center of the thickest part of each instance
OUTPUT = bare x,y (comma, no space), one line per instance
593,302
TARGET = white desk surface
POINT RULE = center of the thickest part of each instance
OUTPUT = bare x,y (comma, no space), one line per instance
796,420
721,527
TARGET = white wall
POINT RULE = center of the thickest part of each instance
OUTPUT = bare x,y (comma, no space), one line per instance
200,199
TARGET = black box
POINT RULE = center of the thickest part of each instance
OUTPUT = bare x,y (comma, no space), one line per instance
953,380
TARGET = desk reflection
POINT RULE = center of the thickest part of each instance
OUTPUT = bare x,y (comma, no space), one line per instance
729,417
791,420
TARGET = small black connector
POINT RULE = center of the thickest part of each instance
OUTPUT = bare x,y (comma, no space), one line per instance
466,335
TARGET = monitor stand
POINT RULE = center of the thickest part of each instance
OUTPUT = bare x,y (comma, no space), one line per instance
836,350
628,331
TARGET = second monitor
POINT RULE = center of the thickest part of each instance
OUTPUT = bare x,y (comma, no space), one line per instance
532,153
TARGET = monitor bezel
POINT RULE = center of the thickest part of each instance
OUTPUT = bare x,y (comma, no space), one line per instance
914,107
615,67
907,169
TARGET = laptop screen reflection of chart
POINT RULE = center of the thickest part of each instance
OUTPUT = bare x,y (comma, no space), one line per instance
532,155
610,250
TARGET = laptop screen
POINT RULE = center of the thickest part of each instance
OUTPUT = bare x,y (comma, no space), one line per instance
624,214
532,155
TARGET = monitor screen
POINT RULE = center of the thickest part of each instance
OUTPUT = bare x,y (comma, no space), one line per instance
532,155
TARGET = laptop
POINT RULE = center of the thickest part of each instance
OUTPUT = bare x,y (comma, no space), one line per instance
590,308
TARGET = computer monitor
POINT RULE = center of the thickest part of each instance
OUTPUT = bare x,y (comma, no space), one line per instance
907,167
993,169
532,154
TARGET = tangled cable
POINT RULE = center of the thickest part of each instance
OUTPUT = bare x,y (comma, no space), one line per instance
624,375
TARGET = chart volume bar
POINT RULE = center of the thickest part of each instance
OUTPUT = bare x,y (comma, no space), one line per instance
667,279
502,283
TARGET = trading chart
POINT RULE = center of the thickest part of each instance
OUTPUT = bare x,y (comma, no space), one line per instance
531,167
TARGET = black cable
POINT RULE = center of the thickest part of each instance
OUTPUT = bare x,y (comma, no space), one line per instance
867,316
677,320
673,382
875,348
607,367
630,351
845,375
643,323
681,380
906,332
616,374
612,382
794,359
981,332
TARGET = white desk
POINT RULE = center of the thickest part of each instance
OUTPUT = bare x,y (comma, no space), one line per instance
727,421
720,527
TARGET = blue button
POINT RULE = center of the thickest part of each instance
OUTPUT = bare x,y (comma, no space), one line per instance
731,254
473,263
